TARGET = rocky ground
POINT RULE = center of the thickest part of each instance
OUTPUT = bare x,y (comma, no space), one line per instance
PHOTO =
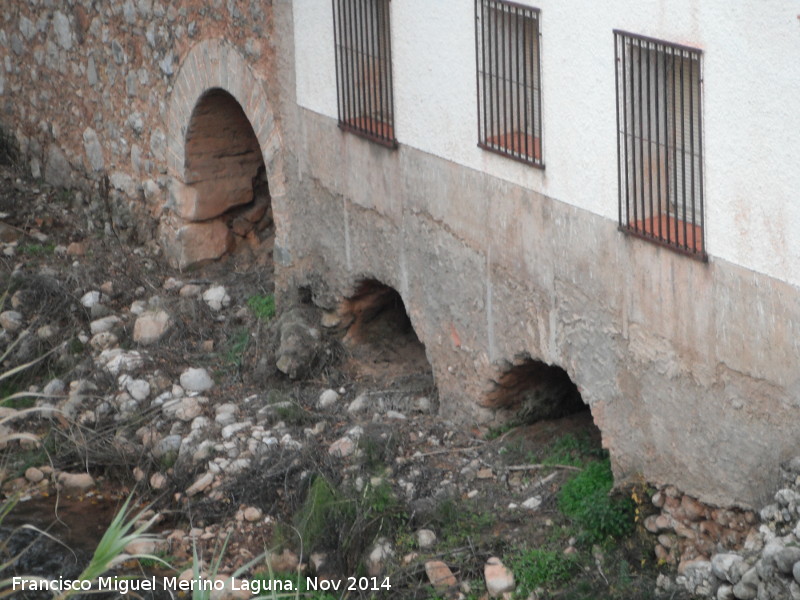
312,436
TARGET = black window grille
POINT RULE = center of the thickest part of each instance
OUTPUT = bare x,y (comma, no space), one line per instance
364,69
660,142
509,80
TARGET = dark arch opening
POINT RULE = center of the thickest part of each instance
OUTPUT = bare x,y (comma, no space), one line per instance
382,343
225,171
533,391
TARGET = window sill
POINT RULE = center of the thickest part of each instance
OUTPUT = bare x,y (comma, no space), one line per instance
371,129
516,145
671,232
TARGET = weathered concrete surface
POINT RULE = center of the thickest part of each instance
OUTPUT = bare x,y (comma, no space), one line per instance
689,368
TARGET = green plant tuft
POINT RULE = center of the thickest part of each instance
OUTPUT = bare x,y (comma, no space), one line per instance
262,306
533,568
586,501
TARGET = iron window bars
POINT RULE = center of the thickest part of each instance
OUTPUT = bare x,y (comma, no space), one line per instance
660,142
509,80
364,69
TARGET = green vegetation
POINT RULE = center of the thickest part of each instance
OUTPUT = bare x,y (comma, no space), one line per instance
572,451
262,306
237,344
347,519
460,524
533,568
37,249
586,501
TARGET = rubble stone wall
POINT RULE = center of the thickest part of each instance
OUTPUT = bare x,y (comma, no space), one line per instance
109,89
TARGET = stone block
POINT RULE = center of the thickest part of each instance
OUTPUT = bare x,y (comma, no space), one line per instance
188,245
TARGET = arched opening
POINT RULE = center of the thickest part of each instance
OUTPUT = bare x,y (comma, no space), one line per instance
532,391
383,347
225,176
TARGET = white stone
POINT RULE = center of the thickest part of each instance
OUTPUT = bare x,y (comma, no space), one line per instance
426,539
89,299
117,360
532,503
196,380
328,398
139,389
358,405
216,297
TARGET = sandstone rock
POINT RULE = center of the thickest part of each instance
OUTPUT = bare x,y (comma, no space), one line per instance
196,380
193,244
190,290
11,321
188,408
80,482
207,199
229,589
440,575
141,547
151,326
8,233
252,514
104,324
217,298
342,447
499,579
76,249
34,475
200,484
158,481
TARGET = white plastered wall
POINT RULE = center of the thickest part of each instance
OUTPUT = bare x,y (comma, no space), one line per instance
751,129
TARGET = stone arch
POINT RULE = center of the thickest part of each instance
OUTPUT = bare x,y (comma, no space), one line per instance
216,91
379,330
532,390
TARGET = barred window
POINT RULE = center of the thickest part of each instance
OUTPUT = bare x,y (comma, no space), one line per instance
364,69
509,84
660,142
